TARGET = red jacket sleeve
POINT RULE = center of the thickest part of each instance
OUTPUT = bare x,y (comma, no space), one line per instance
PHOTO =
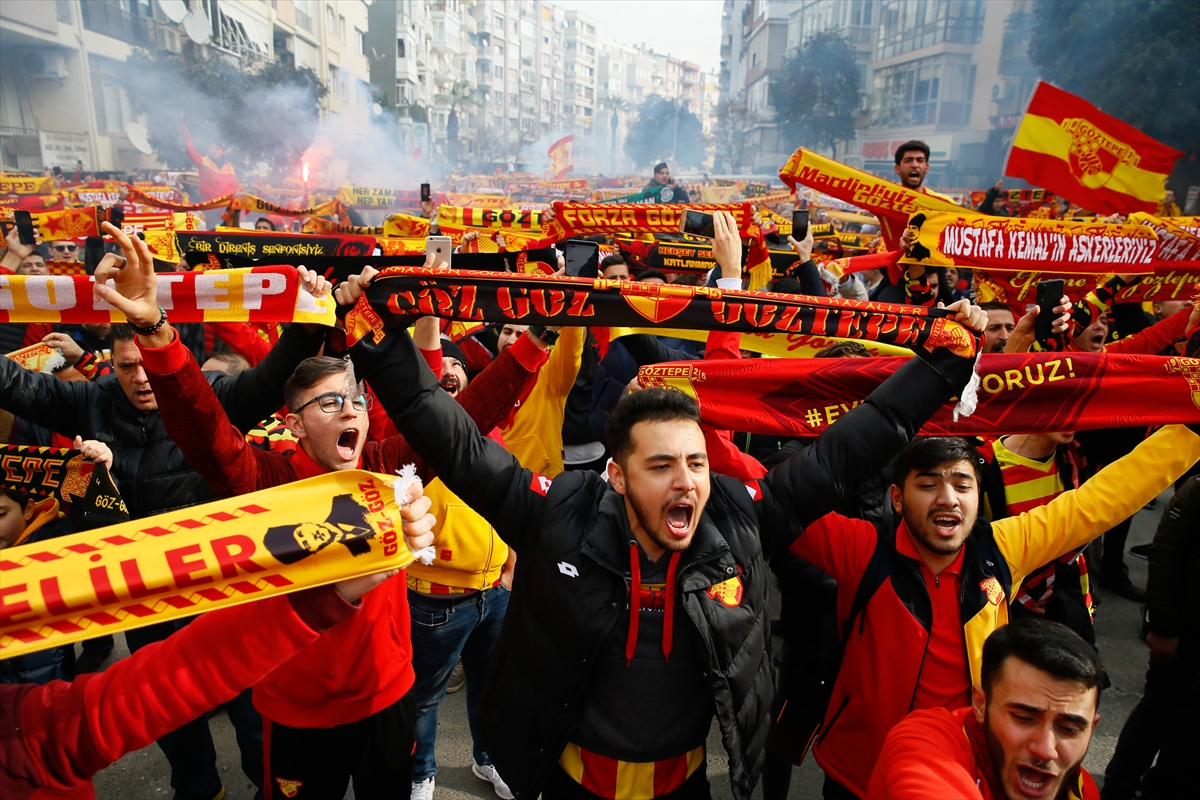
487,399
192,152
1152,340
196,421
841,547
725,459
242,339
69,731
925,755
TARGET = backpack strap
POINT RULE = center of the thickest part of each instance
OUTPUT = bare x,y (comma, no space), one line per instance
879,568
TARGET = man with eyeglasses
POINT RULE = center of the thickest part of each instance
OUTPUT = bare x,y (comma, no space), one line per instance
122,411
64,250
341,709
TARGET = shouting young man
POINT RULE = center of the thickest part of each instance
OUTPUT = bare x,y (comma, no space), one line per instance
639,609
1024,735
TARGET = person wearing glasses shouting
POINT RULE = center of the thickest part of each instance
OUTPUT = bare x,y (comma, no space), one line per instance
342,708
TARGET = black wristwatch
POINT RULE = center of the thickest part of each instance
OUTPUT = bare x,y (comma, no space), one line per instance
549,337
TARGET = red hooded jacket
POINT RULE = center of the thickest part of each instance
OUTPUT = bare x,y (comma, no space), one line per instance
366,665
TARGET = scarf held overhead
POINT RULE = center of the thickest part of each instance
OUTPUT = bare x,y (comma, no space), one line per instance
978,241
296,536
544,300
261,294
1027,393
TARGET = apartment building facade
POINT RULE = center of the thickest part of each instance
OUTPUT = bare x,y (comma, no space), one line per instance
61,98
953,73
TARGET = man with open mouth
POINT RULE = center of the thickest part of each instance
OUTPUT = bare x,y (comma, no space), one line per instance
639,609
350,689
1024,735
918,596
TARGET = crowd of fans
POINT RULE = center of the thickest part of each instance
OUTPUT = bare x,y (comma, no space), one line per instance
608,597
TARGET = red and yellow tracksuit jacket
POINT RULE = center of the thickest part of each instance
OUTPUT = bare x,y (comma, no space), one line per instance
941,753
886,651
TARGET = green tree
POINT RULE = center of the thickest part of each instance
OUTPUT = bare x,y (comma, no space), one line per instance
1133,59
269,115
617,105
817,93
461,95
665,129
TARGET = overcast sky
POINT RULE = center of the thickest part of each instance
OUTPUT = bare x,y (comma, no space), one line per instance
690,30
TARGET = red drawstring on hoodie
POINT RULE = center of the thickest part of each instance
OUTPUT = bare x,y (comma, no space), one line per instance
635,604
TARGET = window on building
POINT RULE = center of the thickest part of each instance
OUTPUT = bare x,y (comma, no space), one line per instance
360,41
362,94
113,112
499,22
341,29
330,21
499,98
928,91
591,73
334,81
906,26
499,71
589,51
499,50
400,48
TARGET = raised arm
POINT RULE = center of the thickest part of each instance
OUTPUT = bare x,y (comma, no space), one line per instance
70,731
1074,518
256,393
819,478
195,419
442,433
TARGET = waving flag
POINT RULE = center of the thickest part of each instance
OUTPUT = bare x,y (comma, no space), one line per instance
562,158
1096,161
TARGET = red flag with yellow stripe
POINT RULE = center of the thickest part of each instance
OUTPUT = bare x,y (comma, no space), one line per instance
1075,150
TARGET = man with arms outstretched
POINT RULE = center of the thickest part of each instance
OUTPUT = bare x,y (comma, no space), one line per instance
639,607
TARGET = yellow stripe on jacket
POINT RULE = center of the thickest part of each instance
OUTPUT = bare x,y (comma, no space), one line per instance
1076,517
535,435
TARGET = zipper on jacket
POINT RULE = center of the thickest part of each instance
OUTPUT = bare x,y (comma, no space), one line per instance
928,639
833,721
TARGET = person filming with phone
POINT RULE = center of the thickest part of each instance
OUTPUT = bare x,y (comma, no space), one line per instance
664,184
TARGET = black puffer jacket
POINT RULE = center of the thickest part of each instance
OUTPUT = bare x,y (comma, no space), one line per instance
573,537
149,467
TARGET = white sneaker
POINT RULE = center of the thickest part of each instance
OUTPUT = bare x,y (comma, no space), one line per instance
487,772
424,790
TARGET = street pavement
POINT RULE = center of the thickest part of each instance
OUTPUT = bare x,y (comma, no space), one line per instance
145,775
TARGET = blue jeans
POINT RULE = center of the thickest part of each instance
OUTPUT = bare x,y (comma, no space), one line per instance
444,628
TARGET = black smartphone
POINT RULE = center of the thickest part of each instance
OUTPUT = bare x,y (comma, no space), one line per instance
1049,293
799,224
697,223
58,172
116,215
582,257
426,195
24,222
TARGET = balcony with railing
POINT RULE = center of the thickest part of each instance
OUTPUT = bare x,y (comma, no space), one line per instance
21,149
116,23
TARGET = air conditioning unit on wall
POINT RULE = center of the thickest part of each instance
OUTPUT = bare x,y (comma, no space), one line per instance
43,64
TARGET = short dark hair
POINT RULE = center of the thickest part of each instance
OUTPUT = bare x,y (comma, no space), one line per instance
648,405
912,144
121,332
1044,645
996,305
652,273
609,261
235,363
660,166
843,350
309,373
787,285
930,452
